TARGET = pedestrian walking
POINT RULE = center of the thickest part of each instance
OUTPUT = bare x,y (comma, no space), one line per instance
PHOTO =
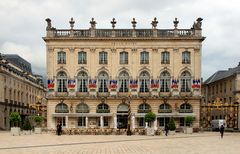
221,130
166,129
59,129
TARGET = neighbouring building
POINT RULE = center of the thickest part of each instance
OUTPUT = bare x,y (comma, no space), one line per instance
95,74
19,88
221,93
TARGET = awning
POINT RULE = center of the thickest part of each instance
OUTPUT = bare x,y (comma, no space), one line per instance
160,115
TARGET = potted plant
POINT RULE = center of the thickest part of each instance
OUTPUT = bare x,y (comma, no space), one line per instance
172,126
189,120
38,120
149,118
15,118
27,126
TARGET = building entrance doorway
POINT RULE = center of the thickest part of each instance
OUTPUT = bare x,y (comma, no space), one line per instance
122,117
122,121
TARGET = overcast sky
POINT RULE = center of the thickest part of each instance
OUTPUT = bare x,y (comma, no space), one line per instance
23,24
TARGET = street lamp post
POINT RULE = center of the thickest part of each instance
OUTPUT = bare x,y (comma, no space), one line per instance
129,133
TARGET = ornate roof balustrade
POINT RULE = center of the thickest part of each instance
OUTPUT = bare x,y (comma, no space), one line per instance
139,33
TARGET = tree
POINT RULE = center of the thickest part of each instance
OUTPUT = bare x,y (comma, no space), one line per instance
38,119
189,120
171,124
149,117
15,118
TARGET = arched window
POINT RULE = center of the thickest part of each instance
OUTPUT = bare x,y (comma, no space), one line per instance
186,57
82,108
165,82
103,108
144,57
82,81
122,108
185,82
165,108
144,108
61,108
62,82
82,57
124,57
144,81
103,82
185,108
124,82
103,57
61,57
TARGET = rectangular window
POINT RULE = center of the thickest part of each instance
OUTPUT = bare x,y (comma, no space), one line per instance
123,58
62,121
182,122
141,122
105,121
163,121
186,57
144,57
61,57
230,99
103,58
82,58
165,58
82,121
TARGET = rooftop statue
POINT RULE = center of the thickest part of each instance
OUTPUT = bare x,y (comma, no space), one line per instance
198,25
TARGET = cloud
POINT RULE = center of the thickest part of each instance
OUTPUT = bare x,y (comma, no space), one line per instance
35,57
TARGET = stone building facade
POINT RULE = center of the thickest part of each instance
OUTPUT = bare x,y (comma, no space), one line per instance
96,76
221,93
19,88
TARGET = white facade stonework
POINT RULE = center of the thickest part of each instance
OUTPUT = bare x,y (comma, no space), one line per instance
144,64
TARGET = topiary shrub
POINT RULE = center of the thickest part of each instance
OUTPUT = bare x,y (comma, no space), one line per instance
172,125
15,118
189,120
38,120
27,124
150,116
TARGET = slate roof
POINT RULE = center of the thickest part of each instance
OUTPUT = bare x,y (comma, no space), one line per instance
222,74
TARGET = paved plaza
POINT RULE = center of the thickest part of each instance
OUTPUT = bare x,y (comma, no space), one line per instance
200,143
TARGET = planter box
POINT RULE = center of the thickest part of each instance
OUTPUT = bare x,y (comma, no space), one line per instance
150,131
15,131
26,132
171,132
188,130
38,130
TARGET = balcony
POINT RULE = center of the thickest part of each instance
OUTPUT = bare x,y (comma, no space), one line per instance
185,111
165,94
123,94
62,94
165,111
185,94
143,111
144,94
102,111
82,94
103,94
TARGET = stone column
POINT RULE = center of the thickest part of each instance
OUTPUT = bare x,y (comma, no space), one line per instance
101,122
133,121
115,121
66,120
86,122
155,124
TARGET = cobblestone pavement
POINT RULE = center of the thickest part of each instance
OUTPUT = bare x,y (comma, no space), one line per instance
200,143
